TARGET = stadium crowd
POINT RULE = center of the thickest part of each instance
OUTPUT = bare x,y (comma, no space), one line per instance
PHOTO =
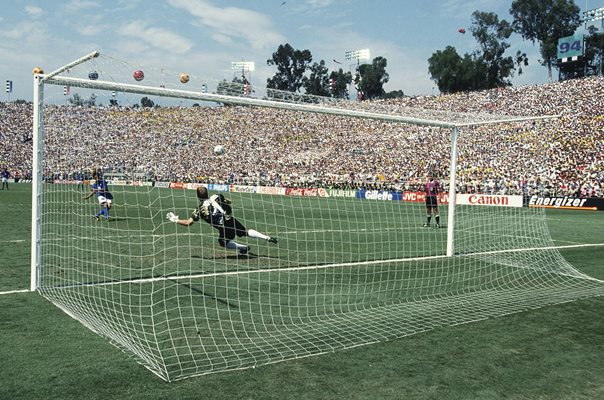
562,156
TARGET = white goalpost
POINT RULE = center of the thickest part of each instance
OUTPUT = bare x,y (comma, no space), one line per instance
331,180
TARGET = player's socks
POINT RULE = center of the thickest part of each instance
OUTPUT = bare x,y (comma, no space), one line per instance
437,218
257,235
428,217
233,245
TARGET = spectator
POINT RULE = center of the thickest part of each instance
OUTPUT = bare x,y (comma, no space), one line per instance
287,148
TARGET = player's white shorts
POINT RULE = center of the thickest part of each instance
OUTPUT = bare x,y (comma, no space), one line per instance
103,199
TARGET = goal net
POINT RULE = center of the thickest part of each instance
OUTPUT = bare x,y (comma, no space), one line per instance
337,185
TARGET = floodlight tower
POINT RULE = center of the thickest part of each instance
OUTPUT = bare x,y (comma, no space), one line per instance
244,66
360,56
9,88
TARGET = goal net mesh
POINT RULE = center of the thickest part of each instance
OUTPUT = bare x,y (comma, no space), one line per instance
353,264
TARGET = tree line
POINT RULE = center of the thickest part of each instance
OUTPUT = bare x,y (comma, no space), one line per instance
542,22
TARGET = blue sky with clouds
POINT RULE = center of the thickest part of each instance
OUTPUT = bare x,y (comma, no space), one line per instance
205,36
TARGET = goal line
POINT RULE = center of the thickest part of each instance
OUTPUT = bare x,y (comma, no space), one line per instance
315,267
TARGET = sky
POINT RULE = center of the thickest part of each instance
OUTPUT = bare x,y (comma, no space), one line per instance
206,36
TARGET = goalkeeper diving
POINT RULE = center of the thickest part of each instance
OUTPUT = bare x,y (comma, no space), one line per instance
216,210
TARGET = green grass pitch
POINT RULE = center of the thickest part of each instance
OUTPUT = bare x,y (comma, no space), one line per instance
554,352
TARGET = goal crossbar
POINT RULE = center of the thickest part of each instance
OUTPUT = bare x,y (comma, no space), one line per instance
251,101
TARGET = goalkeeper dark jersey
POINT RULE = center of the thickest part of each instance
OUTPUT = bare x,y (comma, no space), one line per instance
215,211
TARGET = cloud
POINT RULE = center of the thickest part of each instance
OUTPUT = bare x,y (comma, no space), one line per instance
34,11
76,6
319,3
463,9
23,30
223,39
237,24
156,37
91,30
91,25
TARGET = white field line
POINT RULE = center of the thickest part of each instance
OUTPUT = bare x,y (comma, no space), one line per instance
15,291
327,266
305,232
279,234
317,267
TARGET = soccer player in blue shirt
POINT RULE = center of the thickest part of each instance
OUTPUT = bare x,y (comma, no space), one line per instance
217,211
105,198
432,188
5,175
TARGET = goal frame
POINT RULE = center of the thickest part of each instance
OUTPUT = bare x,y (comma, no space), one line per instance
353,264
54,78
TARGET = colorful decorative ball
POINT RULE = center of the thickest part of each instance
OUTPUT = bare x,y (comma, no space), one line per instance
138,75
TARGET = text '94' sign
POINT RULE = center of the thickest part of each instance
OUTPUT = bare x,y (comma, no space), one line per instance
570,46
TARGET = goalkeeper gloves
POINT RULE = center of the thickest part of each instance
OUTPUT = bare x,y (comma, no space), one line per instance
172,217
